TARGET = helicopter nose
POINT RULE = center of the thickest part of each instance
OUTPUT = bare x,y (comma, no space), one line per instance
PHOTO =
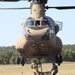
37,33
47,34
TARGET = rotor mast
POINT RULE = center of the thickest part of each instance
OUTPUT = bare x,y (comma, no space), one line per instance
38,8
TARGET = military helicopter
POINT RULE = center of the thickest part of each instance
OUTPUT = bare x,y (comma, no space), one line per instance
40,38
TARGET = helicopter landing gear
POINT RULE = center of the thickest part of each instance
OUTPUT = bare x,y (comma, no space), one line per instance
18,60
58,59
21,60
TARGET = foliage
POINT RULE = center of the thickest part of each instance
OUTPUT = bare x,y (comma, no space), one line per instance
68,52
8,55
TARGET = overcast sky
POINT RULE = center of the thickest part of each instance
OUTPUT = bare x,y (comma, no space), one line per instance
10,21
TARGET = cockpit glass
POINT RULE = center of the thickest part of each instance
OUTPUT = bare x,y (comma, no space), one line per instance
29,23
37,22
45,22
32,22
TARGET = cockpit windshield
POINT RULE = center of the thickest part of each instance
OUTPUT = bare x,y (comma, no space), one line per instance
36,23
31,22
45,22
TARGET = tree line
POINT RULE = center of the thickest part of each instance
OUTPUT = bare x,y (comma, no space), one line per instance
68,53
9,55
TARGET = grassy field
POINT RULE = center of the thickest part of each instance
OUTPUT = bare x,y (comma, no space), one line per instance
66,68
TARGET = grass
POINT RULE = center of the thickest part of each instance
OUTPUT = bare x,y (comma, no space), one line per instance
66,68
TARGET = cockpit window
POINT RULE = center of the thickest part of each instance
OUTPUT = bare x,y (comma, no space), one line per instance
48,21
29,22
45,22
37,22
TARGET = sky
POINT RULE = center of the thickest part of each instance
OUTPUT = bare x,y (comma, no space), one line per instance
10,21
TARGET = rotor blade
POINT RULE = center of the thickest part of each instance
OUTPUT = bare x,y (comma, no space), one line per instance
14,8
62,7
9,0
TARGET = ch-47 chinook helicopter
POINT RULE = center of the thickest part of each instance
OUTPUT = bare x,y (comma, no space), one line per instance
40,38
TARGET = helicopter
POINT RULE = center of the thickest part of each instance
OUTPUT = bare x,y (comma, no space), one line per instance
40,38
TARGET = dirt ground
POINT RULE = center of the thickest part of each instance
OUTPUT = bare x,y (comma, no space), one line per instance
66,68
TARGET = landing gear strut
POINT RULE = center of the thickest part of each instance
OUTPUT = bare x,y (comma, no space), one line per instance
58,59
21,60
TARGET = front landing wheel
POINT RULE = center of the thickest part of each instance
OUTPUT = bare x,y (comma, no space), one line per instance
58,59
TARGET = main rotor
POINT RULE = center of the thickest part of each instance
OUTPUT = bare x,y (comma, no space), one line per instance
36,1
41,1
